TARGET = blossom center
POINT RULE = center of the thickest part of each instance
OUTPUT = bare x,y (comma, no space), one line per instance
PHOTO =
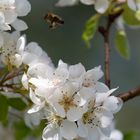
54,119
67,102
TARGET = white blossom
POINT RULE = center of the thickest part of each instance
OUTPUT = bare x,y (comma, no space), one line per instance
10,10
100,5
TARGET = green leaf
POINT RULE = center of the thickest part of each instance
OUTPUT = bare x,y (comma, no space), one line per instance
3,108
130,135
131,17
90,29
21,130
121,44
17,103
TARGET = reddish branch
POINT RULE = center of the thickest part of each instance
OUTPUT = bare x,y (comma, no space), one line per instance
105,33
130,94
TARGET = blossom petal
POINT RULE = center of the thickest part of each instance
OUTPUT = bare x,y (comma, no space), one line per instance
25,81
19,25
93,133
74,114
113,104
62,3
68,129
88,2
51,133
35,108
23,7
101,5
82,129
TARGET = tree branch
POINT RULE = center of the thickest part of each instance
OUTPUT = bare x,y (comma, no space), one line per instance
105,33
130,94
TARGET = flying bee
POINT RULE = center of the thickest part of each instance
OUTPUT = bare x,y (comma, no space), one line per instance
53,20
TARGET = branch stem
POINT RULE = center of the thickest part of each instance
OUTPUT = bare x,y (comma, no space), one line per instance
105,33
130,94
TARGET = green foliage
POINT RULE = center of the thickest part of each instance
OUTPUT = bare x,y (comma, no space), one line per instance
121,44
3,108
131,17
130,135
21,130
90,29
17,103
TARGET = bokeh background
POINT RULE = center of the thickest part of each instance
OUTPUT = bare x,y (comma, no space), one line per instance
65,43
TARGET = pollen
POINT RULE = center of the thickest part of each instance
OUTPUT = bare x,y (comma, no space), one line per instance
67,102
54,119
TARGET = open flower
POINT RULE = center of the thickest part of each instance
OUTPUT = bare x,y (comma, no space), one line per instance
97,120
67,102
10,10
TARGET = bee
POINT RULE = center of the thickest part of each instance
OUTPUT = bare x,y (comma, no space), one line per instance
53,20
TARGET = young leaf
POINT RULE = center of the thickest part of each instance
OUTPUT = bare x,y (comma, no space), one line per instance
17,103
130,17
3,108
90,29
121,44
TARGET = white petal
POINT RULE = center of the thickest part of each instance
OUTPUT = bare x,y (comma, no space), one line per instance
88,2
17,60
35,108
113,104
79,100
116,135
92,76
10,16
74,114
101,5
24,81
93,133
101,87
82,129
34,98
34,48
62,3
23,7
19,25
76,71
51,133
111,91
21,44
106,131
39,69
29,58
68,129
105,116
59,110
87,93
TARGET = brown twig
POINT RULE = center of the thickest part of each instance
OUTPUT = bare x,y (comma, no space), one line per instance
130,94
105,33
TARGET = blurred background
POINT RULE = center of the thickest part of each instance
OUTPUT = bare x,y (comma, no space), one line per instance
65,43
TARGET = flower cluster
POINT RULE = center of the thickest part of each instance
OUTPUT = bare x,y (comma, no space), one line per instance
72,100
